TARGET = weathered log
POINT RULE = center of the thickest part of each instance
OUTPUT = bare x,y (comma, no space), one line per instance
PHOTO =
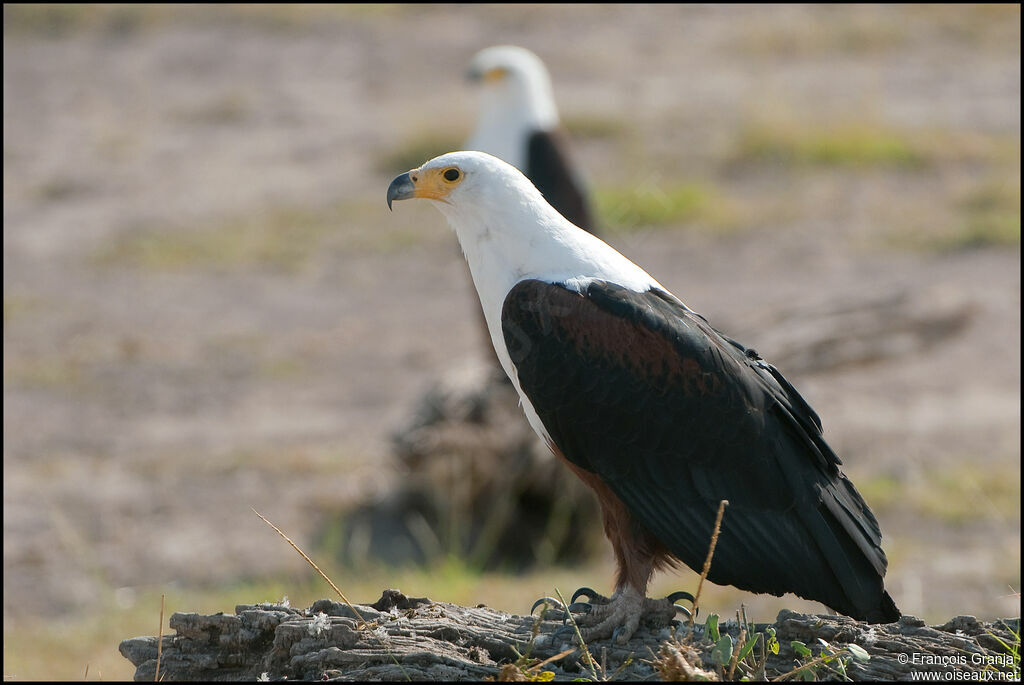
402,638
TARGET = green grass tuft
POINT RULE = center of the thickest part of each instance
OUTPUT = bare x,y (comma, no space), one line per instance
870,30
965,494
284,239
849,146
60,20
855,33
954,495
57,20
882,492
864,145
54,373
991,216
229,107
17,305
658,205
280,239
986,216
593,127
994,230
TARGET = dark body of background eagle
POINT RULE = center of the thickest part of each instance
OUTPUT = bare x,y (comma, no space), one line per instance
518,122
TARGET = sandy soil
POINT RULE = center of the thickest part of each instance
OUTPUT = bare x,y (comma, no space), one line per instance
158,383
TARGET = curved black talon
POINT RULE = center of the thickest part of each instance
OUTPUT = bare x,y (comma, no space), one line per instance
549,602
682,610
615,634
592,594
680,594
581,607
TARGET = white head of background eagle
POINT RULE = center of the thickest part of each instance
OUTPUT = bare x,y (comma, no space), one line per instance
515,100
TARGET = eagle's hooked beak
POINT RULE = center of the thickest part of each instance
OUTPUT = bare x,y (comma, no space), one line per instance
402,188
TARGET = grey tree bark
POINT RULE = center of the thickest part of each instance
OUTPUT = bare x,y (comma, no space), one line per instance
403,638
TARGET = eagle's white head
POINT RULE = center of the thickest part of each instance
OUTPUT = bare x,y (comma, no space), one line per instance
508,231
483,197
515,100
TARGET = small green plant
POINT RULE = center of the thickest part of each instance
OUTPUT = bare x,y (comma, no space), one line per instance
740,659
525,669
851,145
722,652
1012,650
16,305
830,663
745,656
593,126
655,204
284,239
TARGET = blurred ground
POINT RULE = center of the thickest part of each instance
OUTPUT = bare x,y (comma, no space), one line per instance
207,306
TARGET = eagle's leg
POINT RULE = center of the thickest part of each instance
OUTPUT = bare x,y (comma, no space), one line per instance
637,554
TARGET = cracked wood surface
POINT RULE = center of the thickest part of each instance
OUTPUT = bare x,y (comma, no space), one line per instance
407,638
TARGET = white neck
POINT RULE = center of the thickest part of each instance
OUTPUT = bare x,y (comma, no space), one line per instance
509,233
509,113
535,235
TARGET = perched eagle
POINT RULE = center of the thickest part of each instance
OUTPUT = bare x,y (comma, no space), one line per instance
658,412
518,122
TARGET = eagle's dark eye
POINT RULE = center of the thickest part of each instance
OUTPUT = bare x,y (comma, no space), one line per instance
451,174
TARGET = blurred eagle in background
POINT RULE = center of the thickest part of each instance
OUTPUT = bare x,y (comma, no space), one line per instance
518,122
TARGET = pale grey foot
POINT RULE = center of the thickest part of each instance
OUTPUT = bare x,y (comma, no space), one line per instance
619,617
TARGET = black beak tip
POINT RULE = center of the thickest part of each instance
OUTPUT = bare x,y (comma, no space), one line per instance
401,188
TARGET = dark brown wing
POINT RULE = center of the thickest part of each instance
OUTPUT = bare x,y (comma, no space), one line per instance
674,417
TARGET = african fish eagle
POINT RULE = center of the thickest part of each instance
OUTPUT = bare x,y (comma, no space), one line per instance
518,122
658,412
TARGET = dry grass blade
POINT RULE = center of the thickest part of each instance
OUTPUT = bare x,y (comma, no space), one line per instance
359,617
537,667
736,651
676,661
711,553
809,666
159,641
323,575
579,636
